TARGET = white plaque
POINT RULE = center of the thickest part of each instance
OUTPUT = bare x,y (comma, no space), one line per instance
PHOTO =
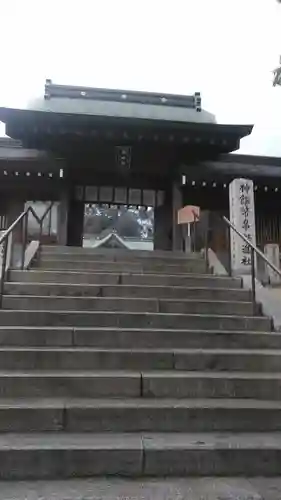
149,198
91,194
120,195
134,196
272,252
106,194
242,215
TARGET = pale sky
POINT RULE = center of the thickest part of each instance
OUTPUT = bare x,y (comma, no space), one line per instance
226,49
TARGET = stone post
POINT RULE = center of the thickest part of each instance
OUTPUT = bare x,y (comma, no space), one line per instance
242,215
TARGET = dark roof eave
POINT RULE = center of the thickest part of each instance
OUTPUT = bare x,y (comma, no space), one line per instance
239,131
251,159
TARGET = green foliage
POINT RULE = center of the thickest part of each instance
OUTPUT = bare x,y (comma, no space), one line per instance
130,222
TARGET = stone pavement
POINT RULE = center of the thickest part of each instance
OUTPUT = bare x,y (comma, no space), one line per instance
115,489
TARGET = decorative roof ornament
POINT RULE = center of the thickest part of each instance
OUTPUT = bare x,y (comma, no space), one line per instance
112,240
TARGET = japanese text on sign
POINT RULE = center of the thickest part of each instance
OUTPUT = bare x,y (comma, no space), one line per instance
245,202
242,215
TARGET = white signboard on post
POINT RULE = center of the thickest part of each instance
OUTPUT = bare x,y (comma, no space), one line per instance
242,215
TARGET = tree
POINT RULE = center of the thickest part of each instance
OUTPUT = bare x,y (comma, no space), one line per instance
128,225
126,221
277,74
277,71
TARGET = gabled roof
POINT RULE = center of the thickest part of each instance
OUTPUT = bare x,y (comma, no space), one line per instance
112,240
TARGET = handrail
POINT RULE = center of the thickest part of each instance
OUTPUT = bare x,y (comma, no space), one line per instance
4,239
13,226
253,250
256,249
21,216
248,242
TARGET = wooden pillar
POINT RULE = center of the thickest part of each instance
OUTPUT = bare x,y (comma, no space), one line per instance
177,203
62,218
75,222
167,233
163,227
14,209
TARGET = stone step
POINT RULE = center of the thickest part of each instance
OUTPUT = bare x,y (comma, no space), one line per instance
141,291
136,338
86,358
148,384
73,384
138,320
139,415
146,488
188,266
82,278
116,254
167,306
62,455
74,358
207,384
146,259
172,416
153,338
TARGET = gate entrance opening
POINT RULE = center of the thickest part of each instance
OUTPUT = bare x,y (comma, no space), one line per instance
134,225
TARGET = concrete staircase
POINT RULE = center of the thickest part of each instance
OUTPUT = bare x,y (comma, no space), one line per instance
135,364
